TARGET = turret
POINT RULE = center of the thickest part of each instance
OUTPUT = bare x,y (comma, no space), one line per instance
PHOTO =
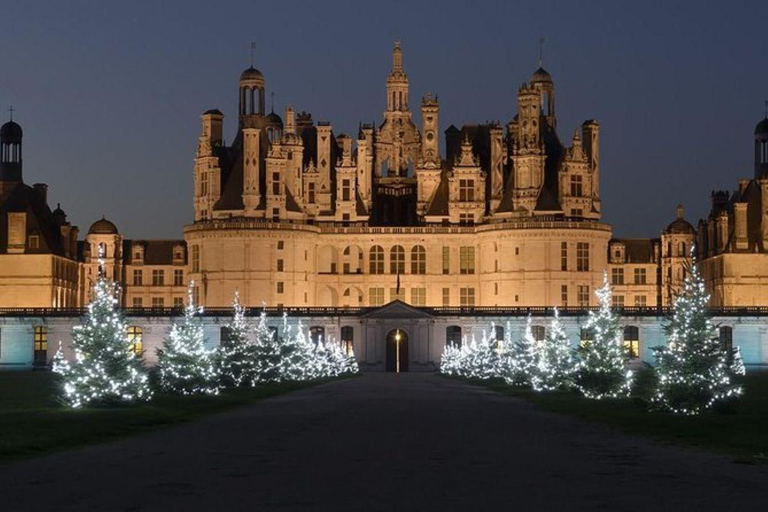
761,149
430,152
10,153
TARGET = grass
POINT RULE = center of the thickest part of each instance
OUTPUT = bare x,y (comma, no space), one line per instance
741,430
33,422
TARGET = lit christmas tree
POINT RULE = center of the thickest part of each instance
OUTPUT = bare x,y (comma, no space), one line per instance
694,369
451,360
484,360
105,369
236,355
556,362
602,372
184,365
267,353
522,359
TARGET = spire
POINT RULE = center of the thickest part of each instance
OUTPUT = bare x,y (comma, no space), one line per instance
680,211
11,110
253,51
541,52
397,58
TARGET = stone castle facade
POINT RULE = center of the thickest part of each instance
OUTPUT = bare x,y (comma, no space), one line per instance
293,214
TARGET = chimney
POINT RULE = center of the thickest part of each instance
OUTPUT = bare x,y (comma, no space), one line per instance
42,192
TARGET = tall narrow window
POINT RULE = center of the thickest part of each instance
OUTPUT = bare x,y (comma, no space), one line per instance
311,193
446,297
418,260
467,260
376,263
276,183
346,190
583,295
467,191
617,276
564,295
195,258
467,297
348,340
582,257
397,260
136,339
564,256
138,277
158,277
40,345
453,336
576,186
446,259
640,276
178,277
726,338
204,183
632,341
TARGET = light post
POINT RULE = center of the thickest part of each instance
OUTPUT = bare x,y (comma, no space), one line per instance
397,351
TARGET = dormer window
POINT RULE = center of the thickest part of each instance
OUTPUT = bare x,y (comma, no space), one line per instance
34,242
138,254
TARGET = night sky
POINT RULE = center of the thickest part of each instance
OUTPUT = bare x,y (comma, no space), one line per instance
109,94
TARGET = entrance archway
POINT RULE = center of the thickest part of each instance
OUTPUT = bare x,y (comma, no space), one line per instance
397,345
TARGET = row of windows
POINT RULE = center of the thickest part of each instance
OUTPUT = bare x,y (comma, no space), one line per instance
158,277
467,296
640,276
582,256
157,302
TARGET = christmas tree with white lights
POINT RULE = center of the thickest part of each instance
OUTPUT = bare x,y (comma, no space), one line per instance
694,369
267,354
483,361
236,356
602,371
185,366
556,362
105,369
522,359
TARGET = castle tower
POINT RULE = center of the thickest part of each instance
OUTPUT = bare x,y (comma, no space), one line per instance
10,154
430,152
528,155
207,170
251,94
542,82
397,83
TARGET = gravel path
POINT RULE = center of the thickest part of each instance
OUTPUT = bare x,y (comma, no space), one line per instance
384,442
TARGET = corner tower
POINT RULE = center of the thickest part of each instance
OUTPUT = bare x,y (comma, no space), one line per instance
10,153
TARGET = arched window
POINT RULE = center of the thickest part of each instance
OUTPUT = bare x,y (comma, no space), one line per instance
632,341
136,339
418,260
397,260
377,260
348,340
316,334
453,336
726,338
539,332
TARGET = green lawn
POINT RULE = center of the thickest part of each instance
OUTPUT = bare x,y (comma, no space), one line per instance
32,422
741,431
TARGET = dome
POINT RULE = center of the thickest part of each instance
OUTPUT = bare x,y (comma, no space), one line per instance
251,74
762,127
11,132
541,76
103,227
274,120
680,227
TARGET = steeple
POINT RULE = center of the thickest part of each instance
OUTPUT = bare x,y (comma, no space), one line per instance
10,151
397,83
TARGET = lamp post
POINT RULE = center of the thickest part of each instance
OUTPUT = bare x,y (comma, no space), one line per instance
397,351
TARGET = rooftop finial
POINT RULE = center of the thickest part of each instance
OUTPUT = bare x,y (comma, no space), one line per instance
766,109
272,100
253,51
680,211
11,110
541,52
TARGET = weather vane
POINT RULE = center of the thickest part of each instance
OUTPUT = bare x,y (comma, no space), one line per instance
541,52
12,110
253,50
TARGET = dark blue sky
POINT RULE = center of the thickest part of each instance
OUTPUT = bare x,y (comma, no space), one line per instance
109,94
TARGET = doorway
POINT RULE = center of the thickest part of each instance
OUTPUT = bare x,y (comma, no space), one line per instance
397,351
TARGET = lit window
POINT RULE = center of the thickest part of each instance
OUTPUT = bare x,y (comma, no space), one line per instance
348,340
40,345
135,338
632,341
316,334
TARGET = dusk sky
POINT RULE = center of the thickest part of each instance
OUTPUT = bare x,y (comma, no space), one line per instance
110,93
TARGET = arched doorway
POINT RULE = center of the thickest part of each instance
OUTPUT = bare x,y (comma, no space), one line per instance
397,345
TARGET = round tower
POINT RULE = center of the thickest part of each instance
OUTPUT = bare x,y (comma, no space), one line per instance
10,152
251,92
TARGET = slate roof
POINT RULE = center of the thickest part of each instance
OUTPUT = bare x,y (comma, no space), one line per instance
156,252
40,220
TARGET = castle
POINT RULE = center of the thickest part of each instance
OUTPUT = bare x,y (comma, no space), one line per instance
294,215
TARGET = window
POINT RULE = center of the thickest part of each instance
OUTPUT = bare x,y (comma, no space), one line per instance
178,277
280,265
316,334
453,336
158,277
34,241
195,258
539,332
576,186
397,260
617,301
135,338
564,295
586,336
40,345
467,297
377,260
419,296
726,338
577,212
617,276
582,257
641,301
418,260
467,191
138,277
204,183
158,302
446,297
280,287
348,340
564,256
276,183
466,219
640,276
280,245
376,296
178,302
583,295
446,259
499,336
632,341
467,260
395,294
346,190
311,193
137,302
